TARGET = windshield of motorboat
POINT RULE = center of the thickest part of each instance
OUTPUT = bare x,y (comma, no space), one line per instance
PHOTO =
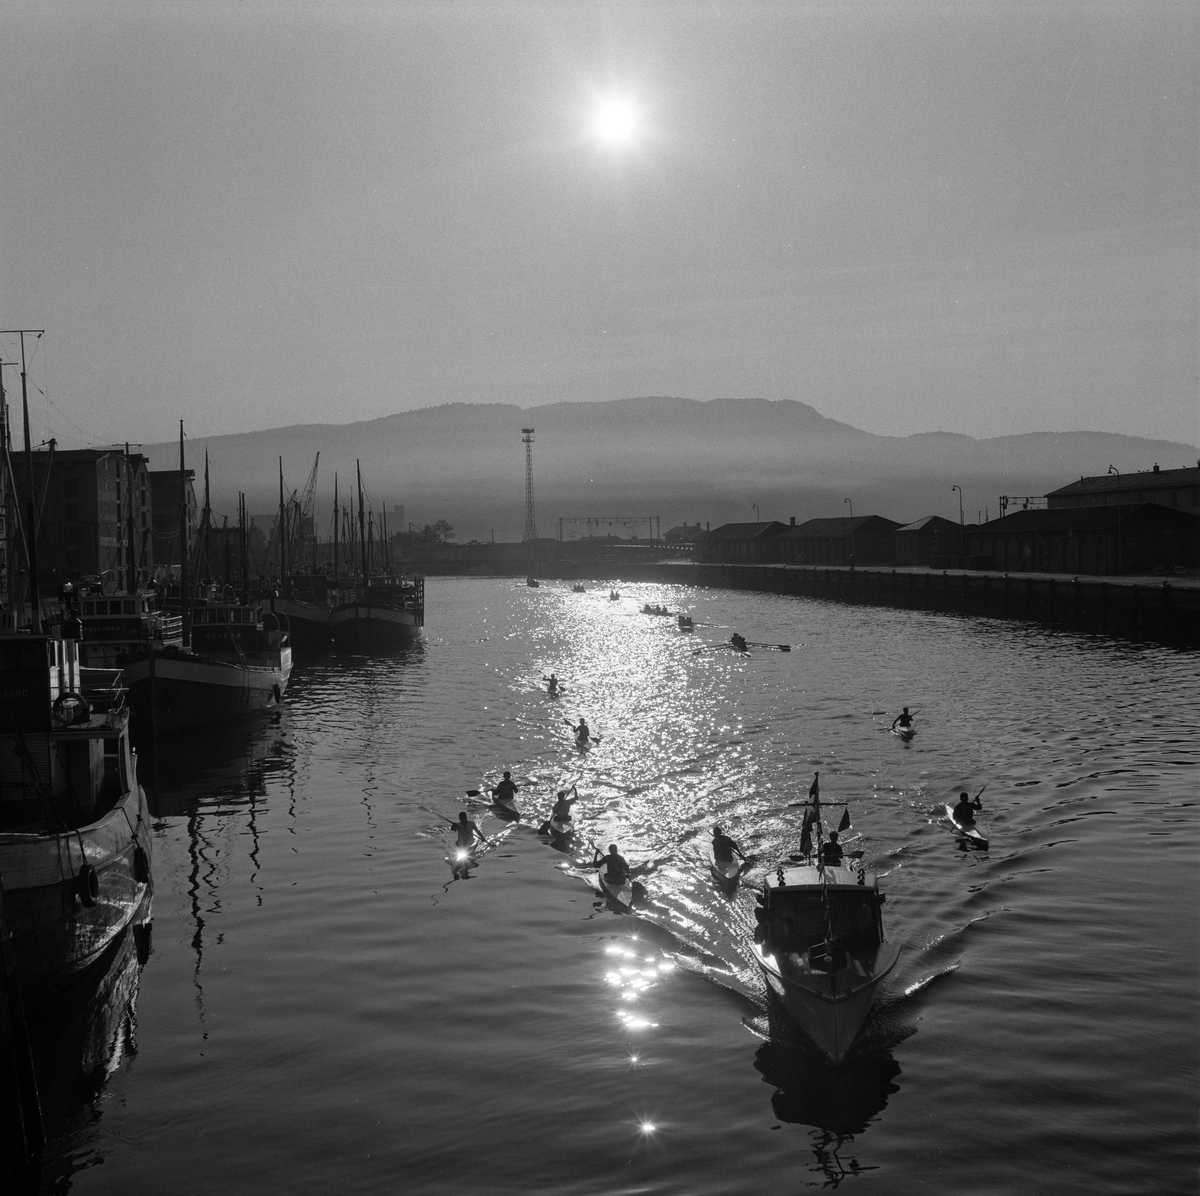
800,918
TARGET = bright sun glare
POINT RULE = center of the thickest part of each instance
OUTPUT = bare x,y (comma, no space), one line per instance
615,121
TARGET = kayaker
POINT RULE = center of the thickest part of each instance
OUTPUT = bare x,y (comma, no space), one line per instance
964,812
552,688
903,720
616,868
467,832
738,641
724,847
506,790
831,852
563,804
582,733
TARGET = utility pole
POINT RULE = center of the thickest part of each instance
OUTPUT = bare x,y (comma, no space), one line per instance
851,502
1111,469
962,528
530,523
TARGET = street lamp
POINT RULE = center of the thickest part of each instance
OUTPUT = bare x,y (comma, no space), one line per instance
851,531
1114,469
962,530
757,519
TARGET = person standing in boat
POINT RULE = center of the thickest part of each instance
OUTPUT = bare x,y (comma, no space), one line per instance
831,852
467,832
616,867
724,848
582,733
903,720
506,790
964,812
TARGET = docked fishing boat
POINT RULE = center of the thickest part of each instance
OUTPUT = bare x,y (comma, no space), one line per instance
386,612
75,838
379,610
820,941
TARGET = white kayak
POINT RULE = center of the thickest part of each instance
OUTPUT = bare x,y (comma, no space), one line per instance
506,807
969,830
726,873
561,826
620,895
905,733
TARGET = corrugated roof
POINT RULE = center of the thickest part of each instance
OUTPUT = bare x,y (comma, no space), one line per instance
1066,518
819,529
929,523
1106,482
744,531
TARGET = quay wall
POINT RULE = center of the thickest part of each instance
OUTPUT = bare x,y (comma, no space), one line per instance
1166,610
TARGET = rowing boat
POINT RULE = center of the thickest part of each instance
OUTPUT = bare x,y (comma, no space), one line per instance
970,831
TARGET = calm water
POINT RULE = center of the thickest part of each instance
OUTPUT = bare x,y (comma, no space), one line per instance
326,1009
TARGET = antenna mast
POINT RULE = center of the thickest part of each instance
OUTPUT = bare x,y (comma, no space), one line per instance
530,522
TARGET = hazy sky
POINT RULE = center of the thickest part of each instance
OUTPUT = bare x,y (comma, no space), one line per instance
975,217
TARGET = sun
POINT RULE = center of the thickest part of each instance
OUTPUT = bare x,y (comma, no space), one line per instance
615,121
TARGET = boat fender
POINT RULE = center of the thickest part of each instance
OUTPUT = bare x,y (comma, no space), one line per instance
87,885
882,898
278,695
141,865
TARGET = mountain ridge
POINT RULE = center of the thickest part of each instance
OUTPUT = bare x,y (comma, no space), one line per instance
678,458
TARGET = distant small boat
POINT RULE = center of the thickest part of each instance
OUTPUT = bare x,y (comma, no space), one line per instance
532,581
579,589
687,623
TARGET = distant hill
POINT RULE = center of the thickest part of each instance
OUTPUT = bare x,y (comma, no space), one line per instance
680,459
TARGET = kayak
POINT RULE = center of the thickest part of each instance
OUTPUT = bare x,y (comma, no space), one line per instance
971,831
620,895
905,733
726,873
562,826
506,807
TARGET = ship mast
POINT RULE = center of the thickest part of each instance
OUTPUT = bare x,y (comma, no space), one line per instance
362,526
184,604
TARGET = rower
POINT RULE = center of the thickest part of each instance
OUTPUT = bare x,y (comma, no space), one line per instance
582,733
831,852
738,641
964,812
467,831
616,868
506,790
724,847
552,688
903,720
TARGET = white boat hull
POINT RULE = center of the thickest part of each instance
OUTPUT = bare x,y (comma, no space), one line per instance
831,1008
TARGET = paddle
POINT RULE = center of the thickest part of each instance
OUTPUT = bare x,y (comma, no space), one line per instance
775,647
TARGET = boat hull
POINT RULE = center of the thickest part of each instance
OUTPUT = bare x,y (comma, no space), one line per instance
307,622
55,934
192,688
830,1008
369,625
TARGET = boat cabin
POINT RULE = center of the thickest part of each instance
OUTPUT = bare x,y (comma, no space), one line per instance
807,906
64,746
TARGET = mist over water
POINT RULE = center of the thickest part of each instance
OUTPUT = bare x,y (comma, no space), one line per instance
328,1009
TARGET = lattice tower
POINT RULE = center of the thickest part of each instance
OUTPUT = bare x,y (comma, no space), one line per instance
530,522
